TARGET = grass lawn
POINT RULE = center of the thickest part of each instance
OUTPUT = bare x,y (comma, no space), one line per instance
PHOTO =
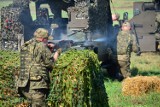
148,64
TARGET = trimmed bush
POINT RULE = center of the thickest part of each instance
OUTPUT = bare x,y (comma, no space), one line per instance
77,81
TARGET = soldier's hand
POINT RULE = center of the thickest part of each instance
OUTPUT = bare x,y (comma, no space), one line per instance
59,50
51,45
57,53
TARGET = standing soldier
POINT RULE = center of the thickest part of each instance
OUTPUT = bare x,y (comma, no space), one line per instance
36,59
126,42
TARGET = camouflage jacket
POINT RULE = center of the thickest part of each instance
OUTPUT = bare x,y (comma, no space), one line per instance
37,61
126,43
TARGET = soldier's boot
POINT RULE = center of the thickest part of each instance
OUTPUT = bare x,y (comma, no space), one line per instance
119,76
38,98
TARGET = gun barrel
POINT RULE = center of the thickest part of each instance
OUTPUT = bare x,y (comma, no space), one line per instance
78,42
137,25
135,33
54,41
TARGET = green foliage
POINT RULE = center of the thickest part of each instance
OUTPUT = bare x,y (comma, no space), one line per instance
146,64
77,81
9,67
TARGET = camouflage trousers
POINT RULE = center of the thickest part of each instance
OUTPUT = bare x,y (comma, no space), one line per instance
36,97
124,65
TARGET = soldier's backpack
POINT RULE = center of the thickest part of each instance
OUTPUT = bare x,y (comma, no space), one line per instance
26,57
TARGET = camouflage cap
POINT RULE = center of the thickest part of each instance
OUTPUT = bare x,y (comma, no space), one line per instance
126,24
41,33
158,17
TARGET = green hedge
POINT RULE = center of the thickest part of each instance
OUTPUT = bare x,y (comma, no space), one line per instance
77,81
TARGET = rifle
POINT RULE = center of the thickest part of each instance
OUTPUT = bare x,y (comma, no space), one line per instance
63,44
70,44
125,18
77,31
135,33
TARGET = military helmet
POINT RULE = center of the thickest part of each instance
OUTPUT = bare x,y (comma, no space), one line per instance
41,33
158,17
126,24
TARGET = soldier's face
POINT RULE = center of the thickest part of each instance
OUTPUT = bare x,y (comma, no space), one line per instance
45,41
126,28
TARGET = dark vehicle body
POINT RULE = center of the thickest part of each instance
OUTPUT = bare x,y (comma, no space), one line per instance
144,16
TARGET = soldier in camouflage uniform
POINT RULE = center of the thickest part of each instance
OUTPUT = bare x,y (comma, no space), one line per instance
157,32
126,42
34,82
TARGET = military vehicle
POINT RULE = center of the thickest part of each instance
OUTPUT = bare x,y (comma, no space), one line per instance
143,24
